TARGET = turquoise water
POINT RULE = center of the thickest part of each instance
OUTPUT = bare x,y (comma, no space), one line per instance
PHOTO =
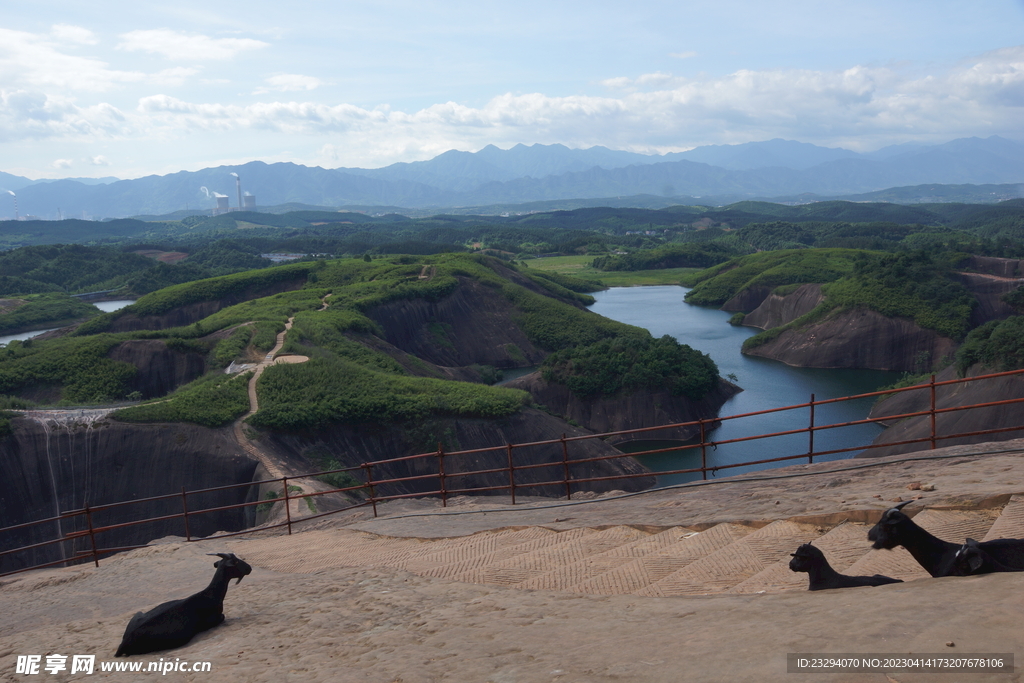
766,384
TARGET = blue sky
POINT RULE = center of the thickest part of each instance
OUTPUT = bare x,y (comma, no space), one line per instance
129,89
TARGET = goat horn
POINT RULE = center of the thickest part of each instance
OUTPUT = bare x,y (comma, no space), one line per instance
900,505
223,556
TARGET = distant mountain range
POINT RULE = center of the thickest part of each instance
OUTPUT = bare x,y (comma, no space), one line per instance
781,170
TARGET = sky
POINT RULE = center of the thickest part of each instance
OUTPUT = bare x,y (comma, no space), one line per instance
112,88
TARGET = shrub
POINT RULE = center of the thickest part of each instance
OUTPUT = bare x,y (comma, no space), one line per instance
998,344
625,365
326,391
212,401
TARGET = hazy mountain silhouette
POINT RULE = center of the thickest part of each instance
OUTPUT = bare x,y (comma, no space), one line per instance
775,168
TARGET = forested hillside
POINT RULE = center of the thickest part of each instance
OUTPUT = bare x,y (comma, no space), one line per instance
358,371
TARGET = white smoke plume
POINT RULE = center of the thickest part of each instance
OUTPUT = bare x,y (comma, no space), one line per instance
209,194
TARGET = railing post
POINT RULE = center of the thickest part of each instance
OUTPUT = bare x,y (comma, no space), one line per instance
565,466
287,507
703,451
511,475
184,509
369,484
810,433
933,411
92,536
440,471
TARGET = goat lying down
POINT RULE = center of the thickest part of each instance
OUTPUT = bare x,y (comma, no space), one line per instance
938,557
174,623
972,558
809,559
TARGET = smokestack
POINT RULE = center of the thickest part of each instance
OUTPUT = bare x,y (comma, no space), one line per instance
238,186
15,205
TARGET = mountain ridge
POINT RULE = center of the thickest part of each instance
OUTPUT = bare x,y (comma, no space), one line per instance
535,173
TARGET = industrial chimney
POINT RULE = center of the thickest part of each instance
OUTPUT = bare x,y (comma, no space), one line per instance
238,186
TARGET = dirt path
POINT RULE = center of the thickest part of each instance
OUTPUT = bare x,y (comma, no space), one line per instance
275,467
990,276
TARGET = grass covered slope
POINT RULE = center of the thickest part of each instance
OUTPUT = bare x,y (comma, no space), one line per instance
917,286
716,285
32,311
356,374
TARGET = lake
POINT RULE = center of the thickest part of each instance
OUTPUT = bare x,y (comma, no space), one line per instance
105,306
766,384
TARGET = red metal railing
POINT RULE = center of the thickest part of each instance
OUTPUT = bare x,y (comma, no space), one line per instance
368,491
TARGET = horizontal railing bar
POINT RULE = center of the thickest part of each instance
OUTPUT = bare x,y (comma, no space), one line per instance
34,545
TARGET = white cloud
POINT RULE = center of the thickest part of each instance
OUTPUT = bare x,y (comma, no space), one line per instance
62,163
99,160
862,107
73,34
33,61
656,112
683,55
26,114
289,82
184,47
173,77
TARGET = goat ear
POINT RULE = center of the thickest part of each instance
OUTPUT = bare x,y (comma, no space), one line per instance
975,562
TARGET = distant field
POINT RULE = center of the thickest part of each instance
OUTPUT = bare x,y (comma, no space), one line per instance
580,267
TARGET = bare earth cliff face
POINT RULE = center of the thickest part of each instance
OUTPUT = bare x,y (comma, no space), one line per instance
472,325
54,463
858,338
160,370
955,422
633,411
863,338
775,310
355,445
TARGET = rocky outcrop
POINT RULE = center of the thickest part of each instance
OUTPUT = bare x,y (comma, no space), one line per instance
353,446
858,338
748,299
956,422
1000,267
989,291
62,460
776,310
472,325
159,369
634,411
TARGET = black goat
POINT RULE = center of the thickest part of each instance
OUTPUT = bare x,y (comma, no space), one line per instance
809,559
972,558
895,528
174,623
938,557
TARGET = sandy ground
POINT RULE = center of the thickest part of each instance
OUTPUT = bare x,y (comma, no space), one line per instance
358,624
